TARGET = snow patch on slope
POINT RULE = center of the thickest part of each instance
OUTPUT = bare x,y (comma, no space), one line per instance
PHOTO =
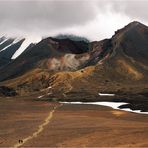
14,42
103,94
25,44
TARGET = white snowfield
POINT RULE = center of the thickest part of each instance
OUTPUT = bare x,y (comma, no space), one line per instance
103,94
27,41
114,105
25,44
15,41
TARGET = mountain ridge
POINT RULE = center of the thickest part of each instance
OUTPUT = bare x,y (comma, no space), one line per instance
72,68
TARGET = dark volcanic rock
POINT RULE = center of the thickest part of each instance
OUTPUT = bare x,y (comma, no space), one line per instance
6,91
5,55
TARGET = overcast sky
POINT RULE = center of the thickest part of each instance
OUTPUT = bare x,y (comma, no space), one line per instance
95,19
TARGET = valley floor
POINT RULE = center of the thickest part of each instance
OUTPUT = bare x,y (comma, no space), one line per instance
40,123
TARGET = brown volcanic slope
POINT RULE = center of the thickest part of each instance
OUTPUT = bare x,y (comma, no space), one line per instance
130,50
113,65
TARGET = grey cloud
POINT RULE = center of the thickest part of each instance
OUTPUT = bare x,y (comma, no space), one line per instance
136,9
45,16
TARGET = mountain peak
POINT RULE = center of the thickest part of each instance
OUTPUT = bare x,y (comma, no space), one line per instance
133,26
134,23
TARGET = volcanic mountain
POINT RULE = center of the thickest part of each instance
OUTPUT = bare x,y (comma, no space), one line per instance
51,54
78,70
